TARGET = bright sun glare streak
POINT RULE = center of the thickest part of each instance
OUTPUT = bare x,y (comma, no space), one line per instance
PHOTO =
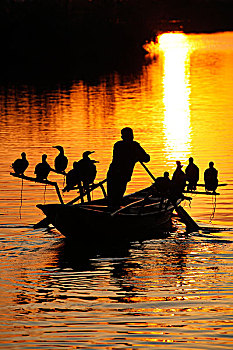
176,51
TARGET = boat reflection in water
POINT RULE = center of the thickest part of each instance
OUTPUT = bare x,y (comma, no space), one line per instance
121,273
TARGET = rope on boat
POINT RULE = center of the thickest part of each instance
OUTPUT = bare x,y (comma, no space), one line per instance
189,200
47,182
45,193
21,201
214,203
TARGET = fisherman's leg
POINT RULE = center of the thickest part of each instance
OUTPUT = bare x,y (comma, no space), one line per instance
122,189
111,193
115,193
161,202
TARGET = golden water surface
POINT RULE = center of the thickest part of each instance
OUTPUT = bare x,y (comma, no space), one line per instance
176,290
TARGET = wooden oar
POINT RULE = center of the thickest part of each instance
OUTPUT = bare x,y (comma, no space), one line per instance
191,225
148,171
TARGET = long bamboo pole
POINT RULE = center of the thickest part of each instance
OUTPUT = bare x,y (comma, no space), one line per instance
191,225
46,182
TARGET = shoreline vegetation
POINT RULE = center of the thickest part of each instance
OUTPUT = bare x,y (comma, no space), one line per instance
56,33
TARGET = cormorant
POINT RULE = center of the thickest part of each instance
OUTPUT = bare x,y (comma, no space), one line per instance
178,180
86,172
72,178
61,161
86,168
20,165
162,184
192,175
211,178
42,169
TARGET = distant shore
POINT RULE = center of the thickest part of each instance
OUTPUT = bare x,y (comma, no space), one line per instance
56,33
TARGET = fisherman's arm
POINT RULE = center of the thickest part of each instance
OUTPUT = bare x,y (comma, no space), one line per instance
142,155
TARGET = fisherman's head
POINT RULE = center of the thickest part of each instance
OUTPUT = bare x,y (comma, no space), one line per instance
23,155
191,160
44,157
166,174
127,134
211,164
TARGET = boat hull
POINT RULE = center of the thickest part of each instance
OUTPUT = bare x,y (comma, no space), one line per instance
84,224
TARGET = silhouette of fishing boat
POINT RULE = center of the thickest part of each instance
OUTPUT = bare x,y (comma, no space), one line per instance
141,213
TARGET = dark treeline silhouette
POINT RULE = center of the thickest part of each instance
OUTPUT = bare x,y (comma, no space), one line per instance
38,30
59,31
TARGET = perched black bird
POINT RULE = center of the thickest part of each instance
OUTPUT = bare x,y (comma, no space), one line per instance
178,180
87,169
20,165
42,169
211,178
61,161
72,178
192,175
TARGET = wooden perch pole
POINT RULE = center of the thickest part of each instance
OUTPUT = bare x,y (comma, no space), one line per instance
92,188
45,182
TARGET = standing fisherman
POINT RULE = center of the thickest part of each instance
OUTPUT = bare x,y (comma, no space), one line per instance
125,155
